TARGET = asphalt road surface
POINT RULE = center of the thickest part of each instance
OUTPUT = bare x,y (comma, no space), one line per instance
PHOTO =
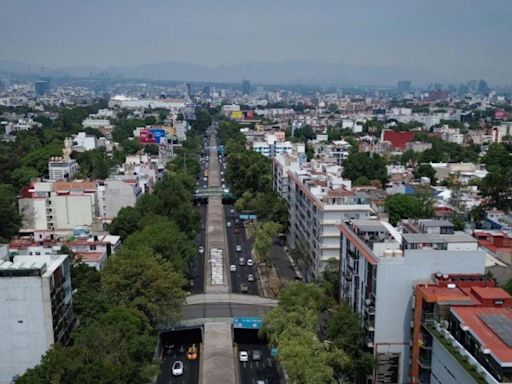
174,348
253,370
242,271
197,265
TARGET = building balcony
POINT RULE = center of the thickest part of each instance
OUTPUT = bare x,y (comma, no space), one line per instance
370,310
459,352
425,361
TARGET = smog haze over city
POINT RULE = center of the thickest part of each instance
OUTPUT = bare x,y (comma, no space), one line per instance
371,42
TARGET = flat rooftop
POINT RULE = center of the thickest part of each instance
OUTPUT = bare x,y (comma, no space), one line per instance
482,322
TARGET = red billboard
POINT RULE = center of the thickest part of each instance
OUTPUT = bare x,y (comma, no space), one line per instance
147,137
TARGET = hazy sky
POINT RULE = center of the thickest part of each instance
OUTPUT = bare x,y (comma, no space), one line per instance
470,38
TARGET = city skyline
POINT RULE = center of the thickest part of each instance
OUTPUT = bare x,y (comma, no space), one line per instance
446,41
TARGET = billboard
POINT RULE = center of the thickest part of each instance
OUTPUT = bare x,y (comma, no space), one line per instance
146,137
237,115
152,135
158,134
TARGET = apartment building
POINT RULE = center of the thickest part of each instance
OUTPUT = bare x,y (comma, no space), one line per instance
318,199
36,310
116,194
58,204
380,265
67,204
60,168
462,331
84,142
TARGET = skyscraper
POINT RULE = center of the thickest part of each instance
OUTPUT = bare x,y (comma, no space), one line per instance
246,87
42,87
403,86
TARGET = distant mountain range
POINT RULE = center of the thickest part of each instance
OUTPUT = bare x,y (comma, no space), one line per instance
287,72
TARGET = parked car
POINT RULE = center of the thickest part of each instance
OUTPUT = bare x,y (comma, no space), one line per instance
201,249
228,224
238,248
250,277
244,288
232,268
244,356
177,368
237,231
250,262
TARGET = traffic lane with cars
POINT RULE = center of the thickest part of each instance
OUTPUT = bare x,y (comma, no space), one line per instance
178,352
241,276
264,368
197,265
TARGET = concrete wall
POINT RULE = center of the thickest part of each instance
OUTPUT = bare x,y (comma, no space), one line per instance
395,278
71,211
445,369
33,212
25,338
119,194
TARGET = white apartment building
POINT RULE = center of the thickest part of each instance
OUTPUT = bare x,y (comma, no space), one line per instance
116,194
121,101
318,199
60,168
64,205
501,131
84,142
405,115
58,205
21,125
99,124
379,268
36,310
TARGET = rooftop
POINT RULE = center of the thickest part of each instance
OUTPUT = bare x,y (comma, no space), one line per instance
475,320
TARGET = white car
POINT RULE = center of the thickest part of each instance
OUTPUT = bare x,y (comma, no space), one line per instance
177,368
232,268
249,262
228,224
244,356
238,248
201,249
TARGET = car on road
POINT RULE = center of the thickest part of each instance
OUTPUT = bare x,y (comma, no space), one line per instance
201,249
228,224
232,268
250,262
205,179
244,356
192,352
241,261
250,277
256,354
177,368
244,288
238,248
236,231
231,210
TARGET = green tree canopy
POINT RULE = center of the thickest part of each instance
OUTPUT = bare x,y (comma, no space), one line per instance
359,164
400,206
142,280
10,220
